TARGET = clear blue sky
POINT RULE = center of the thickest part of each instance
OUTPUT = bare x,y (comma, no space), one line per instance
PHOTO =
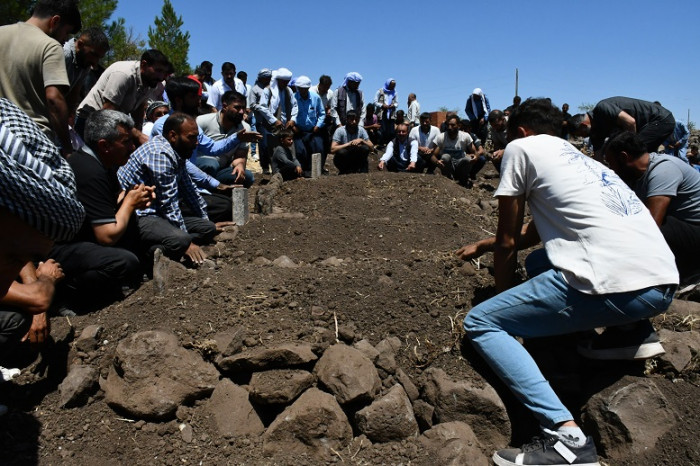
575,52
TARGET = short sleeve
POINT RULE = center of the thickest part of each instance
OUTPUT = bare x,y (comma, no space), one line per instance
515,169
53,68
116,88
663,180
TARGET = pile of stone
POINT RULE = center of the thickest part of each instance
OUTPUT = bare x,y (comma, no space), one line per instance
316,397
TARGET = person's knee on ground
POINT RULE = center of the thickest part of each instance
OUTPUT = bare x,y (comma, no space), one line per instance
14,325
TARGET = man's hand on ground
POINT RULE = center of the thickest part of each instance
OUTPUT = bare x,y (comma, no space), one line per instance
195,254
39,331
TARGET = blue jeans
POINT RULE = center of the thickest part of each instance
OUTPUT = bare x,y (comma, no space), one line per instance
546,306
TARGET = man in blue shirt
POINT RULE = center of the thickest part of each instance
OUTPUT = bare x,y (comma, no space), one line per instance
161,163
310,118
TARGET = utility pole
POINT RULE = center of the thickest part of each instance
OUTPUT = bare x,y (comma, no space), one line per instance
516,82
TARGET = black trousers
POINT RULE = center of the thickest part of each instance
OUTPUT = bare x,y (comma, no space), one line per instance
655,132
352,159
94,273
219,207
157,232
684,240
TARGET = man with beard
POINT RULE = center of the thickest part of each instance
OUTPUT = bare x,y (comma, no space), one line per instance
424,135
450,151
348,97
125,86
351,146
82,54
230,167
183,94
161,163
33,72
103,256
228,82
310,120
401,153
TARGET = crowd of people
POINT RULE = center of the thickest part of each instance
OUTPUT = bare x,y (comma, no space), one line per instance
99,173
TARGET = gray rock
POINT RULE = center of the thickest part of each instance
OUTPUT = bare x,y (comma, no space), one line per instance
366,348
152,375
348,374
480,407
313,425
230,342
424,413
629,417
385,281
454,444
78,386
284,262
680,348
387,355
89,339
260,260
260,359
407,384
467,269
389,418
332,262
231,411
279,386
186,432
229,234
684,309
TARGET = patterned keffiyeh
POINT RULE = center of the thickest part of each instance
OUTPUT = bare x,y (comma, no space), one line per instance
36,183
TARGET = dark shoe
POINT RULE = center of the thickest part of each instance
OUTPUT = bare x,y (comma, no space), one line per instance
628,342
548,450
266,171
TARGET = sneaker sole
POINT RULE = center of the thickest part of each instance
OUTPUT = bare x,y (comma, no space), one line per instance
504,462
645,351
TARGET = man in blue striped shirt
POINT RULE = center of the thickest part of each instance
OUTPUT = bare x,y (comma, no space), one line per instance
161,163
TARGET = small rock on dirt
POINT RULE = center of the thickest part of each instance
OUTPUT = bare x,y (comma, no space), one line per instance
279,386
313,425
366,348
232,412
389,418
279,357
630,416
454,444
680,348
77,387
424,413
284,262
348,374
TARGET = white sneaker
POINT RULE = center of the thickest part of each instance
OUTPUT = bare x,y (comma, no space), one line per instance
8,374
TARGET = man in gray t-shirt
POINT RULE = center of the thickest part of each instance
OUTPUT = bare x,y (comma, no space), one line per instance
670,189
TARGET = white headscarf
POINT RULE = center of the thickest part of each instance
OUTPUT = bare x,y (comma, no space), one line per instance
284,74
475,107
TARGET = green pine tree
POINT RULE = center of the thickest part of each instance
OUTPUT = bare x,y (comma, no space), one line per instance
15,11
167,36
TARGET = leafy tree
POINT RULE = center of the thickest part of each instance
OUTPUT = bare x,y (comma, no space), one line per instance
585,107
96,13
12,11
124,44
168,37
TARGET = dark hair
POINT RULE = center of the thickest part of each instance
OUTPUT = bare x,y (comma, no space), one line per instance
576,121
517,98
425,115
370,107
286,133
155,57
494,116
452,116
351,114
95,37
626,141
207,65
66,9
175,121
242,75
538,115
227,65
179,87
230,96
325,80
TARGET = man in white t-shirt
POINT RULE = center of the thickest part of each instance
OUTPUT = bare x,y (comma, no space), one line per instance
450,152
590,274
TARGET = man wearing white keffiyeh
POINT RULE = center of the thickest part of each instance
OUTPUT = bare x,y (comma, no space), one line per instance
477,110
